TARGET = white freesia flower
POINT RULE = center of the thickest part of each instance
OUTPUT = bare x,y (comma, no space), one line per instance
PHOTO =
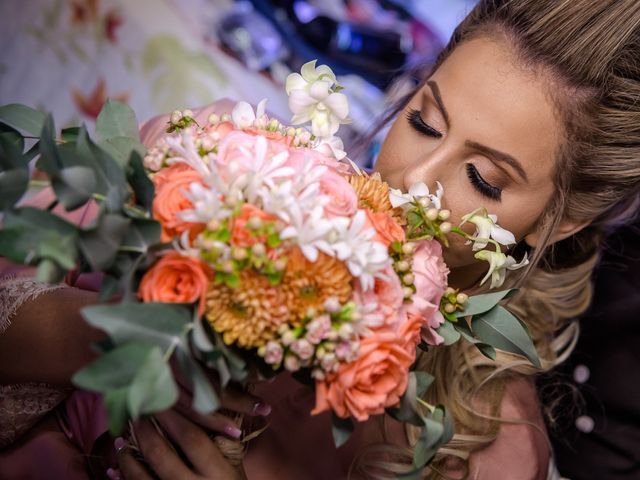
499,263
207,205
312,98
416,192
353,243
331,147
486,227
309,232
243,115
182,149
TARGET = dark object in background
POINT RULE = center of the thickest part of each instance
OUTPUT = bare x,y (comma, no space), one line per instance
603,441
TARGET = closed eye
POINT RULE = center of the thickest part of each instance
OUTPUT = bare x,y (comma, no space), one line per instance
480,184
419,125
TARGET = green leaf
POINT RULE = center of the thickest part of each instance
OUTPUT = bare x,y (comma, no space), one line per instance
49,272
100,245
121,149
423,382
205,399
501,329
142,235
448,332
407,411
116,404
11,148
13,184
30,234
108,288
140,183
74,186
152,388
22,117
50,160
114,369
116,119
70,134
341,428
487,350
483,303
153,323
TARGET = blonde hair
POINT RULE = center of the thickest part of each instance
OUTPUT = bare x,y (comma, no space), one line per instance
590,50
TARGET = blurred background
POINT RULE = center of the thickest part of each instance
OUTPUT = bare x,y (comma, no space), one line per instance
69,56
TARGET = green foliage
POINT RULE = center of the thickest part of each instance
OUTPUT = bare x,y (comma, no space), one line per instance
341,428
22,118
478,304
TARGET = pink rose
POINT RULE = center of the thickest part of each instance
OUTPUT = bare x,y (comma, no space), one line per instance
344,201
387,294
430,274
237,148
376,379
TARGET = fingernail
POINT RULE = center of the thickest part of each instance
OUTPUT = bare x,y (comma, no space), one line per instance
119,443
114,474
233,431
262,409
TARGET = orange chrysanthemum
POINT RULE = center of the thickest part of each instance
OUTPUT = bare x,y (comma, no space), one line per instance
249,315
373,194
309,284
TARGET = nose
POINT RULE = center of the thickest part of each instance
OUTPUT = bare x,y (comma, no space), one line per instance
434,166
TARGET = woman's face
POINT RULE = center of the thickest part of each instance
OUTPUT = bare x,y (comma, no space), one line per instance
484,128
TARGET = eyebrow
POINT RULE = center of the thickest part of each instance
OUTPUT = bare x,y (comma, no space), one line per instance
500,157
495,154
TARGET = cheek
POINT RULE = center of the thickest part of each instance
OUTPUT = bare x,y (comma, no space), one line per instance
396,153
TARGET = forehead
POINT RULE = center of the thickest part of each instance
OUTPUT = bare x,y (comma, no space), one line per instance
496,102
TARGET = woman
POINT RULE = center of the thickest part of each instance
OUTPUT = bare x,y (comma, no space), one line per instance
531,110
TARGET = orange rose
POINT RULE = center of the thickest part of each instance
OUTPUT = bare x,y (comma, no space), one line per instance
176,279
273,136
375,380
410,332
170,184
240,232
387,229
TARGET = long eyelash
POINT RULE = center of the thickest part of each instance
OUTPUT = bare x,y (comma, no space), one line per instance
416,121
481,185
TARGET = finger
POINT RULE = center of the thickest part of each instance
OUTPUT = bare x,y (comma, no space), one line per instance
196,445
215,422
162,459
130,468
244,403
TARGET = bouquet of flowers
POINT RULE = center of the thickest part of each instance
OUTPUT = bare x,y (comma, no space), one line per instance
245,244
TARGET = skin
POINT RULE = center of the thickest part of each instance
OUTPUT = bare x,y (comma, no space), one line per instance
480,99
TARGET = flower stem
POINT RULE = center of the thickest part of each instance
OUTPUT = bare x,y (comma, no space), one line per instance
170,350
426,405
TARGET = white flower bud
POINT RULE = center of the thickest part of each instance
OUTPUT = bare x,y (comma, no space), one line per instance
239,253
259,250
402,266
408,279
408,292
462,298
432,214
288,338
408,248
176,116
254,223
332,305
444,214
292,363
424,202
449,308
187,113
225,117
214,119
213,224
445,227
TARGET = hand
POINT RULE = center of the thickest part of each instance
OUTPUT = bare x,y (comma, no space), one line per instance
207,462
233,400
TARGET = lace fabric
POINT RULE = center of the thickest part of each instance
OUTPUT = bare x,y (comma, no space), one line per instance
22,405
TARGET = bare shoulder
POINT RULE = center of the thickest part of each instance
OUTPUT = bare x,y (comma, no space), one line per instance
521,450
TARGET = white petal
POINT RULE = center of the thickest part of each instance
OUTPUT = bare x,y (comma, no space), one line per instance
308,71
260,109
310,252
339,104
295,82
419,189
300,101
324,72
243,115
502,236
320,90
300,118
397,198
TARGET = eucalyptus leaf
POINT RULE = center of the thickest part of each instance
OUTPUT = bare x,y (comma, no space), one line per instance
108,288
478,304
140,183
116,119
70,134
114,369
153,388
50,160
11,151
407,411
13,185
341,428
501,329
121,149
205,399
423,382
142,235
115,402
154,323
487,350
49,271
100,244
74,186
22,118
448,332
